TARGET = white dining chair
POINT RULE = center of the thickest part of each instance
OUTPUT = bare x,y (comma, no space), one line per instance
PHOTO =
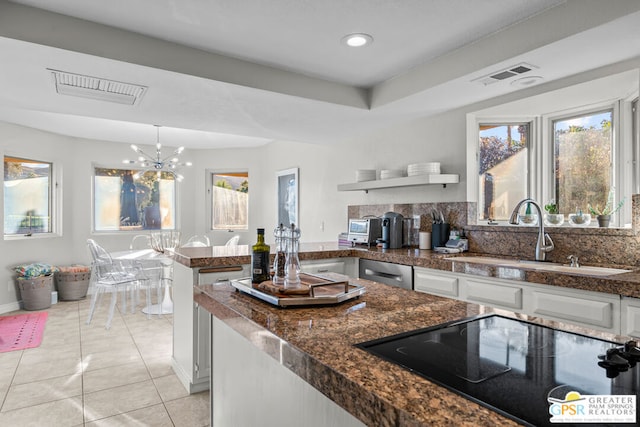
233,241
140,241
197,241
114,277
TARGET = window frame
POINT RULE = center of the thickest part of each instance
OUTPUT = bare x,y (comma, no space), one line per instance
541,173
527,180
209,201
55,198
127,232
473,154
618,169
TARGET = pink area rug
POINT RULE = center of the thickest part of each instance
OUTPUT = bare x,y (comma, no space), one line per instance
21,331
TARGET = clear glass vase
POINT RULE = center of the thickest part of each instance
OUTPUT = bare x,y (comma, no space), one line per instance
553,220
579,219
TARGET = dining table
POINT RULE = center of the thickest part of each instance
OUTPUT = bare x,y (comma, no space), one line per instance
151,259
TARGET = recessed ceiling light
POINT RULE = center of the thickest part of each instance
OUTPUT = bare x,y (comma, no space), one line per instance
357,40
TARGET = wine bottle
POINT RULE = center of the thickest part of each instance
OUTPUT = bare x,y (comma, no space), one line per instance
260,259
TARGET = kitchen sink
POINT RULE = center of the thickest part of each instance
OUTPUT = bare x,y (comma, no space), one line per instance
588,270
541,265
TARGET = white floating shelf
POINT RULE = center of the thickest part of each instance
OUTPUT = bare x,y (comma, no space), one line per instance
442,179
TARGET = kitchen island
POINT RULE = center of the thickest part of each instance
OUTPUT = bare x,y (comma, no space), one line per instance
316,344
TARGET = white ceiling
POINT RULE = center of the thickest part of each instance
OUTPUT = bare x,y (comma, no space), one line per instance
231,73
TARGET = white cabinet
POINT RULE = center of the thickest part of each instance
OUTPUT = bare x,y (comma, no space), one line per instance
210,275
252,388
496,293
347,265
631,317
593,310
191,323
590,309
435,282
202,356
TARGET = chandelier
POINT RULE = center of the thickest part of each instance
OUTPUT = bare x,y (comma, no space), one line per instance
157,164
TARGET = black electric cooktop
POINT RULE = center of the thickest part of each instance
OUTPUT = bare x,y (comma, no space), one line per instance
522,370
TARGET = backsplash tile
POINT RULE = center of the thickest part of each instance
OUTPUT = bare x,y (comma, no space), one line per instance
592,245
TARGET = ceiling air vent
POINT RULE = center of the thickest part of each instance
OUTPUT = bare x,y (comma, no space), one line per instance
505,74
97,88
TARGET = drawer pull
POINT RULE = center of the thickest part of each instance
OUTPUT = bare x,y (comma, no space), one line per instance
383,274
220,269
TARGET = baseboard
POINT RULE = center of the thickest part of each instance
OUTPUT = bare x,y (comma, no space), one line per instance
186,381
7,308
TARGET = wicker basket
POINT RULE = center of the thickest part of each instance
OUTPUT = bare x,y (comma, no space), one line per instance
36,292
72,286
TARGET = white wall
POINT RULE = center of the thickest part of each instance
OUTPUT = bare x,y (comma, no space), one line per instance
323,210
76,158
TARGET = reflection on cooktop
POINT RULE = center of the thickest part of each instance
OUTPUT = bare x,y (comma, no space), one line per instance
476,369
509,365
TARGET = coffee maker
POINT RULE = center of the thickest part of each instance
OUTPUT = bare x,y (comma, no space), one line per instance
391,230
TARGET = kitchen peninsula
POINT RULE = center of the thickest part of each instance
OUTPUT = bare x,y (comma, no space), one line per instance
309,339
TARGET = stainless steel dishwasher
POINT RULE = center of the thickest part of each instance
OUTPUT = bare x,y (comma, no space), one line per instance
387,273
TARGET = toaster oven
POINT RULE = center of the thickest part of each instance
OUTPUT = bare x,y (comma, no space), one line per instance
364,231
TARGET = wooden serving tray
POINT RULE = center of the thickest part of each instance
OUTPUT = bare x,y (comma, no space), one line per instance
332,288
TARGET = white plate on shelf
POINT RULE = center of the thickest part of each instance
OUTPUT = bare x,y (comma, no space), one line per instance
391,173
431,168
365,175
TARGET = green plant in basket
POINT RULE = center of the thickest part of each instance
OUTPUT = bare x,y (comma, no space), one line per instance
608,208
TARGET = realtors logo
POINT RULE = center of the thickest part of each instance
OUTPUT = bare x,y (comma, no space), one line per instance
593,408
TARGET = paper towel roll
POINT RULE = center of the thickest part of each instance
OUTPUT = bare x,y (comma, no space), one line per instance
425,240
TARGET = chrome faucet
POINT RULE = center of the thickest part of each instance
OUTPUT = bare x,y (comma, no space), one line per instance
544,244
574,261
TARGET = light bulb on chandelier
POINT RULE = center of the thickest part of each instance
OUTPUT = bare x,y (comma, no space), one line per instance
158,163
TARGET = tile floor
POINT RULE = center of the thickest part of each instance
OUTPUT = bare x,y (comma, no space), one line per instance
85,375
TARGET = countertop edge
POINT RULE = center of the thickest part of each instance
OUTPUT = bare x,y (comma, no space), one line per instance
625,284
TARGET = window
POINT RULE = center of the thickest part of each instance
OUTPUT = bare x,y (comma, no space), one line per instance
583,160
123,202
502,168
27,196
229,201
572,158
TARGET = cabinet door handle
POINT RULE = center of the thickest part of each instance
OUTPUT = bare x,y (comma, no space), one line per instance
323,270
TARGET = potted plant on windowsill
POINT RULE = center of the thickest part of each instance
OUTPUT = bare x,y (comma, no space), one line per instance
553,217
579,219
604,215
529,218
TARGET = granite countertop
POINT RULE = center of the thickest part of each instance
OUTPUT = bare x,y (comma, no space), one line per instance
624,284
317,343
